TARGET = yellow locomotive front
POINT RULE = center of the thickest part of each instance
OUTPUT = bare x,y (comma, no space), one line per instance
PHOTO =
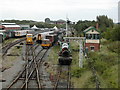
46,43
29,39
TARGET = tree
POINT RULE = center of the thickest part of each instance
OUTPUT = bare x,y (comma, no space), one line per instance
112,33
82,25
47,20
104,22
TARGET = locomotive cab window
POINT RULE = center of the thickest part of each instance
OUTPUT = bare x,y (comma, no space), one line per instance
29,36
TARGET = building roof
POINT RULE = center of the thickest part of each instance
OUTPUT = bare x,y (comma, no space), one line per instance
2,26
90,28
8,23
11,25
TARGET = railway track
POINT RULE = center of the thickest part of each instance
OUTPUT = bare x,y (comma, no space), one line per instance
8,46
31,71
63,78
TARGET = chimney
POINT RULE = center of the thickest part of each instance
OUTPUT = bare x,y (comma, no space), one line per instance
97,26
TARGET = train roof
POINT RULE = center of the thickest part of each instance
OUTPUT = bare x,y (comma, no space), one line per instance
2,30
46,40
51,35
22,30
1,33
47,32
28,34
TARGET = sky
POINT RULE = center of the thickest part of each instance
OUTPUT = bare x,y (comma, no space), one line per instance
75,10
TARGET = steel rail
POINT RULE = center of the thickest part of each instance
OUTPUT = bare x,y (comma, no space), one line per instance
27,65
39,62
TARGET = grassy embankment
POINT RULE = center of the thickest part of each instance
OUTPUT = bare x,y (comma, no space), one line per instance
105,62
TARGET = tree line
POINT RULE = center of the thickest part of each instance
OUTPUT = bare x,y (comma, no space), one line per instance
106,26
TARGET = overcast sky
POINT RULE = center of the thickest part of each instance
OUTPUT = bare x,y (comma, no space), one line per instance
58,9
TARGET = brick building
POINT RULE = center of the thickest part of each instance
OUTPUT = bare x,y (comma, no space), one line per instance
10,26
92,41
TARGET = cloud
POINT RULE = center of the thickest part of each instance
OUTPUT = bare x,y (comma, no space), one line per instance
54,8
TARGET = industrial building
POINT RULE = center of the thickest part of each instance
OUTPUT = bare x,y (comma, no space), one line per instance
9,26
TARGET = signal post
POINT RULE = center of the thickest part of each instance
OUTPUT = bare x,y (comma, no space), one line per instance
81,42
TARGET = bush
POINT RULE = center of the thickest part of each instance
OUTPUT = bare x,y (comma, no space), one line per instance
77,72
114,47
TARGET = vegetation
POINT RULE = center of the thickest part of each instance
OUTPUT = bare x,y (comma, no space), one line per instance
103,23
82,25
106,65
112,34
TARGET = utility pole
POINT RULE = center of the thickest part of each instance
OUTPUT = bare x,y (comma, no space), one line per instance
81,53
66,26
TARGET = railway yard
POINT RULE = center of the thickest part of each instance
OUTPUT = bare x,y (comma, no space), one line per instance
26,65
32,62
60,45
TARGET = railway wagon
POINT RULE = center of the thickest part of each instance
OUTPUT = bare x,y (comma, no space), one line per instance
1,37
41,36
4,35
49,41
29,39
22,33
65,57
53,38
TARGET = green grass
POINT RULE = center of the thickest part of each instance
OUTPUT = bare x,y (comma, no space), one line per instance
106,64
83,81
53,55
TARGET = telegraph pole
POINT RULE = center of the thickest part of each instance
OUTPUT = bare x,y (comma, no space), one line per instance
66,26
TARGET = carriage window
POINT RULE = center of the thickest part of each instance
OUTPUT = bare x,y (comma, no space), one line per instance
45,42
